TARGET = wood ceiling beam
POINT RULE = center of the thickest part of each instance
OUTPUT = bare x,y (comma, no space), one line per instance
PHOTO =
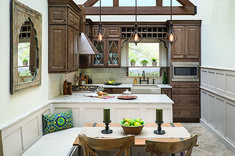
90,3
158,2
158,10
115,3
185,3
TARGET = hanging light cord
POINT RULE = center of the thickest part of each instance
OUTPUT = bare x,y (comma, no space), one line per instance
136,11
100,11
171,10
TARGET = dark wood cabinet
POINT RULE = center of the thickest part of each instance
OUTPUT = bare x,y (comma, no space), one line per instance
110,53
186,97
187,46
115,90
63,36
167,91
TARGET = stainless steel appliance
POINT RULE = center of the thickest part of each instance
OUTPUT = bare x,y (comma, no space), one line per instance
185,71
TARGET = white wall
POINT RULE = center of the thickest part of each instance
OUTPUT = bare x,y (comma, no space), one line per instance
12,106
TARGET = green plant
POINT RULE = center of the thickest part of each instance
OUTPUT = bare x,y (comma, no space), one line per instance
25,60
144,61
154,59
133,60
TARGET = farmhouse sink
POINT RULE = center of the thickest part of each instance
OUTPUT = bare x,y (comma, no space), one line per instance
145,89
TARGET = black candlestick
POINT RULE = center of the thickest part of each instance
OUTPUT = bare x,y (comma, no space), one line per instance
107,130
159,130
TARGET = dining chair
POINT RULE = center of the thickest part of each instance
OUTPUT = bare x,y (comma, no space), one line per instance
171,147
90,145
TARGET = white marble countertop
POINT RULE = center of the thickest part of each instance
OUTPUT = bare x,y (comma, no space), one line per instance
131,85
141,99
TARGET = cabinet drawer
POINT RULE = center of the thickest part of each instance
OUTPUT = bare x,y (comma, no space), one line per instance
185,84
57,15
186,100
187,91
114,32
108,90
166,91
73,19
186,112
119,90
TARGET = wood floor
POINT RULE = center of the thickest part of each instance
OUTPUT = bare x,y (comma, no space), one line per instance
209,145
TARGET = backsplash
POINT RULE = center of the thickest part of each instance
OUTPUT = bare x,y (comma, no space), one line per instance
56,82
102,75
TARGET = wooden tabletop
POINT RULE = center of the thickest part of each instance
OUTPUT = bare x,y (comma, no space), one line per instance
138,141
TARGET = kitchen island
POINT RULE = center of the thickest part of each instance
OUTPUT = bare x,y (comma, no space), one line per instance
90,109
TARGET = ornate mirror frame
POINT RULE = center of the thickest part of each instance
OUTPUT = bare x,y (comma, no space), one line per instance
19,14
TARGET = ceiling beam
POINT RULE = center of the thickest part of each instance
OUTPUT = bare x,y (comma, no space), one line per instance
115,3
90,3
158,2
185,3
158,10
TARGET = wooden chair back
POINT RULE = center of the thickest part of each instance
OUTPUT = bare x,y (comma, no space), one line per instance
170,147
121,144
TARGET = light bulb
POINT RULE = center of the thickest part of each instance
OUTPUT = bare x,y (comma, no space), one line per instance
171,37
136,37
100,38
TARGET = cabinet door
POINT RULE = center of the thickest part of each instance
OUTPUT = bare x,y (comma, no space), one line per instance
192,45
177,48
57,48
70,48
99,60
114,32
95,31
57,15
76,49
113,53
71,16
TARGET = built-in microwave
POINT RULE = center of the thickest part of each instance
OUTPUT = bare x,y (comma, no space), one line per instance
185,71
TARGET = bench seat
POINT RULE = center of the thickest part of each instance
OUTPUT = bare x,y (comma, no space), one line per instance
57,143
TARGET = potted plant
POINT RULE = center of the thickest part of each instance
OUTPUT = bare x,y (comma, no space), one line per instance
154,62
144,62
133,62
25,62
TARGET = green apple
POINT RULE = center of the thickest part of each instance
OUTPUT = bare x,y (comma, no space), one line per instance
126,124
110,82
138,120
141,122
126,120
137,124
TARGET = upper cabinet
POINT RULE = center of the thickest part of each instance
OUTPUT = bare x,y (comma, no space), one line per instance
187,46
64,23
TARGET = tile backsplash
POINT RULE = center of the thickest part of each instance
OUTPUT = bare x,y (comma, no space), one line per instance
56,82
102,75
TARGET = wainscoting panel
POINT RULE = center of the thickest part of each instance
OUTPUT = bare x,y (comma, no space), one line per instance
218,103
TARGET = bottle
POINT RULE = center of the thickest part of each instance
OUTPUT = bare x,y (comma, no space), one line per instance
164,79
70,88
135,81
65,88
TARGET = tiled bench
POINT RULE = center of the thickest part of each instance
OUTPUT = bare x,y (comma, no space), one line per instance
58,143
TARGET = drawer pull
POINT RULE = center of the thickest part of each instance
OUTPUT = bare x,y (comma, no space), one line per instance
193,85
193,101
177,100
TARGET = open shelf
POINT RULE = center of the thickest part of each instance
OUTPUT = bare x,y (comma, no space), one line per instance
146,32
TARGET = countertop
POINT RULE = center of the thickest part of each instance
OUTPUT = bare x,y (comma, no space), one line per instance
131,85
141,99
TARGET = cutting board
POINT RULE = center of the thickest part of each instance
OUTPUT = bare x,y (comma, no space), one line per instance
125,97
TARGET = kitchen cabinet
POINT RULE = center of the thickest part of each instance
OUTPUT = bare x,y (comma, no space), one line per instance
110,53
115,90
167,91
187,46
63,36
186,99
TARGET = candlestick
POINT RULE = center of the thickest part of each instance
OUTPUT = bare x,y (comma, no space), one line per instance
107,130
159,130
158,115
106,114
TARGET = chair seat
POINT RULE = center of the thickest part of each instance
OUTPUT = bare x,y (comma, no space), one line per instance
57,143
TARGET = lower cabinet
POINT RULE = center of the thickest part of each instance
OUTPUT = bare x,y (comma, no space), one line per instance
115,90
186,99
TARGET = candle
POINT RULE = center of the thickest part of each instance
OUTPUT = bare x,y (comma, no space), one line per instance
106,114
158,115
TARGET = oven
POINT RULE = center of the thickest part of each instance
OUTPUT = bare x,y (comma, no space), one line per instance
185,71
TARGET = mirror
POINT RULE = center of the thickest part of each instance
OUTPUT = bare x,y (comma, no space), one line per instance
26,26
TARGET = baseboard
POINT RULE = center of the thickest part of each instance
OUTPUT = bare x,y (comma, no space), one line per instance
229,144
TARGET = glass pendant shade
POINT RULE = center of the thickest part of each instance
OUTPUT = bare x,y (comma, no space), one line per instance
171,37
136,36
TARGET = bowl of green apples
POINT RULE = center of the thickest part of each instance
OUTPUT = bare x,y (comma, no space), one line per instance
132,126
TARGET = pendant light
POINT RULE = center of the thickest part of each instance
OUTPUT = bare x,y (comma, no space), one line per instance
171,36
100,32
136,36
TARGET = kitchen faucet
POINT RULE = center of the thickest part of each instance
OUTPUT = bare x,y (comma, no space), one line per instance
143,74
